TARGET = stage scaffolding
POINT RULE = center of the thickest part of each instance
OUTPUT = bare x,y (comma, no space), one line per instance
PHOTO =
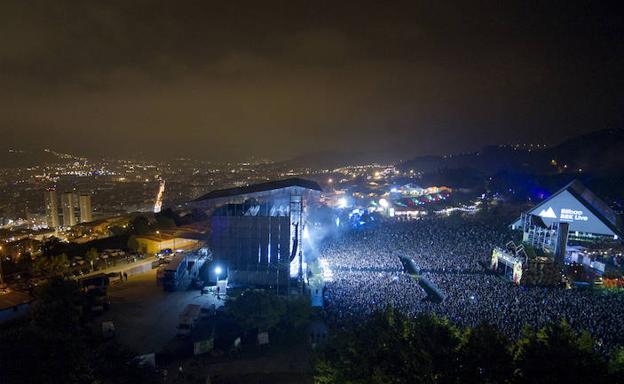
259,237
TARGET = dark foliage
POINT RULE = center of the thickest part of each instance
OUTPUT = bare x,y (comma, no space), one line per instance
393,348
54,346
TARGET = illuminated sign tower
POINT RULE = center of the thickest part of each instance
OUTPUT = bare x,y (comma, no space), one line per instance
587,217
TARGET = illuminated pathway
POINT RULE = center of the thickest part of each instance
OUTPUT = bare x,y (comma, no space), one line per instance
159,197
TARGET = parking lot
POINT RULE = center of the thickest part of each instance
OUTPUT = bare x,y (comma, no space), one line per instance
145,316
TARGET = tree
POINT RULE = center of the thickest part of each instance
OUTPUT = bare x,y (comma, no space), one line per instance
165,222
42,356
485,356
256,309
292,326
54,347
133,243
391,348
556,353
298,312
58,305
40,266
169,213
51,246
139,225
51,265
117,230
616,362
90,257
25,262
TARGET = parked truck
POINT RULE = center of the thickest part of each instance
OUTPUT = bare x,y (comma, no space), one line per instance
188,319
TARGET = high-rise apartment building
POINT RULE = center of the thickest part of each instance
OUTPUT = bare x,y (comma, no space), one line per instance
51,205
68,202
85,208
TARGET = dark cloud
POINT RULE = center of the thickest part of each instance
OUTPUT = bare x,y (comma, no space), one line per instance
279,78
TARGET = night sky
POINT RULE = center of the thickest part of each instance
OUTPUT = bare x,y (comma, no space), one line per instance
231,79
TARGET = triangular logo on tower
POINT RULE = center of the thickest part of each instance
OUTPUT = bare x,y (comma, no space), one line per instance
548,213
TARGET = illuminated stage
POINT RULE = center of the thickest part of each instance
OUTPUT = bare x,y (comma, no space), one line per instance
257,231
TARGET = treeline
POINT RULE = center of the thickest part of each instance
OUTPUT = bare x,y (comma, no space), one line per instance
393,348
167,219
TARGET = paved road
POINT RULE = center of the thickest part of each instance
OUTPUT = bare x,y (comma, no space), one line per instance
121,266
145,316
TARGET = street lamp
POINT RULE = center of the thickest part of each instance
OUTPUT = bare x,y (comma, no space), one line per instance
159,242
1,272
218,271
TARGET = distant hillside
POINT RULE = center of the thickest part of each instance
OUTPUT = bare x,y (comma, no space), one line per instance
17,158
489,160
596,152
334,159
522,173
11,158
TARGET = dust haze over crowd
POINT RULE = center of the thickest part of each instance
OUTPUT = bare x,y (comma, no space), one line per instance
227,80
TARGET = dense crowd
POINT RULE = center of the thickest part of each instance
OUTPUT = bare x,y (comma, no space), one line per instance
355,294
473,298
433,244
453,254
368,255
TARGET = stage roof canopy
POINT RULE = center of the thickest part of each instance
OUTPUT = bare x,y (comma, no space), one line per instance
262,187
